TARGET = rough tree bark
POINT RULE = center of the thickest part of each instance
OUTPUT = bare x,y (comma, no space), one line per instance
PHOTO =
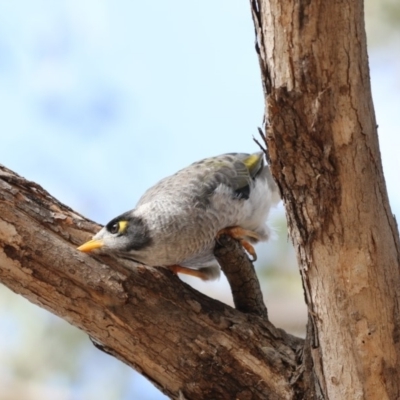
186,343
324,154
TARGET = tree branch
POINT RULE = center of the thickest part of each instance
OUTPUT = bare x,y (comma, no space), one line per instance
242,278
180,339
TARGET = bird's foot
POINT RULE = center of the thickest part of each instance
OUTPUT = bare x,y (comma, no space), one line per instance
243,236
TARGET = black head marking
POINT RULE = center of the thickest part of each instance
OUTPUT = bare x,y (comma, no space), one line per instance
138,233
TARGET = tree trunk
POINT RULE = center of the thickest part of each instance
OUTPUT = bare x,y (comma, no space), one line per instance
324,153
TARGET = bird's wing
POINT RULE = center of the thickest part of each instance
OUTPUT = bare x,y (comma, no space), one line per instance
246,167
234,170
200,179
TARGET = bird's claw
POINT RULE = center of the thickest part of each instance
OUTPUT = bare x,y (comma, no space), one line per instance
238,233
250,249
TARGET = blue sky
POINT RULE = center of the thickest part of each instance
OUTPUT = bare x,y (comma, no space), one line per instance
101,99
99,104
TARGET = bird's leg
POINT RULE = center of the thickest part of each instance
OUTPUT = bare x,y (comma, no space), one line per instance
242,235
198,273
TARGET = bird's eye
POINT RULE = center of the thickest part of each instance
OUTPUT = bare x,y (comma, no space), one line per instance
117,227
114,228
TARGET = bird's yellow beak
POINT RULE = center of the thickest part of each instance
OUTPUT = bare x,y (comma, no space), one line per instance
91,245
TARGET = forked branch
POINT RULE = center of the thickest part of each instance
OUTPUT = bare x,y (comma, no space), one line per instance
180,339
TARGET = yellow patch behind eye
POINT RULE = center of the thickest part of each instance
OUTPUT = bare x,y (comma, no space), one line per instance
122,225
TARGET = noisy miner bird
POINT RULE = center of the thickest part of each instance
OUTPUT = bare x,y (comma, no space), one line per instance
176,222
